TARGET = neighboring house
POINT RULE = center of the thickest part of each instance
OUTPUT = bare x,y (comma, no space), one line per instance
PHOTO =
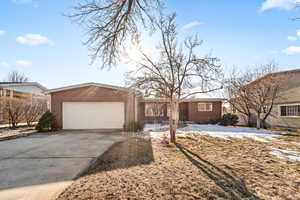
286,110
100,106
24,90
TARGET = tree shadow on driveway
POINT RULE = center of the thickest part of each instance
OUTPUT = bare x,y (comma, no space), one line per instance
122,155
233,188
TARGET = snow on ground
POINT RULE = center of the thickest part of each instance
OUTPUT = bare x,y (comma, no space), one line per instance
158,131
156,127
286,154
226,132
223,132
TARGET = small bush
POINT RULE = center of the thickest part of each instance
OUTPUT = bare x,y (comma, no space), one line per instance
214,121
134,126
229,119
47,122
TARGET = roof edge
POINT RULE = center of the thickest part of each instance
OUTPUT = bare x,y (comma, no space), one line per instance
25,84
185,100
86,85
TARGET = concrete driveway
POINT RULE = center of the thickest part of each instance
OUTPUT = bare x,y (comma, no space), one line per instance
41,166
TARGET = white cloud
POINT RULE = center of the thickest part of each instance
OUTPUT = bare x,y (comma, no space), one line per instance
292,50
2,32
298,33
280,4
292,38
192,24
23,63
22,1
33,40
273,52
18,63
4,64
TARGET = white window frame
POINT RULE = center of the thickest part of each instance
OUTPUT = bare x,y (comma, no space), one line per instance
152,114
279,110
205,106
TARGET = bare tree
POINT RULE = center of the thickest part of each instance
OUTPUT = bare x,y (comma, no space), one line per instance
178,73
256,91
265,90
15,76
109,23
237,96
33,109
14,109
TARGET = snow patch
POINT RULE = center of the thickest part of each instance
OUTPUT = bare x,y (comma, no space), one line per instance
286,154
223,132
227,132
155,127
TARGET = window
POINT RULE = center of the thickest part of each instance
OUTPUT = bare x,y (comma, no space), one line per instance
168,110
8,93
154,110
290,111
205,107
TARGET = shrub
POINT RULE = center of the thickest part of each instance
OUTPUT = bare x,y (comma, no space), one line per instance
214,121
134,126
229,119
47,122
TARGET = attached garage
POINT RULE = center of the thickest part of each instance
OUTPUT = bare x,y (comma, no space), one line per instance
93,106
93,115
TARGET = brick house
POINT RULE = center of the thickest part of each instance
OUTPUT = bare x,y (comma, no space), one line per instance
101,106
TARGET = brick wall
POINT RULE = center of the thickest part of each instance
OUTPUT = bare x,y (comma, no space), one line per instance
204,117
147,119
188,112
92,94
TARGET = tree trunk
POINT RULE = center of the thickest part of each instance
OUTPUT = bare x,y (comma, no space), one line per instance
249,120
172,134
258,121
173,121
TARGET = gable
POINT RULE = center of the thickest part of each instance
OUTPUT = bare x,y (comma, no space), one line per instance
87,85
90,93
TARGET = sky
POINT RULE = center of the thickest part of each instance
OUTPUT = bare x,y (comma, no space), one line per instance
37,39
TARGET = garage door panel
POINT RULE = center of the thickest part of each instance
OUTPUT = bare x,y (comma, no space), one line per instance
93,115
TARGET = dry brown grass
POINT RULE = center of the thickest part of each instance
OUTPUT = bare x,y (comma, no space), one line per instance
205,168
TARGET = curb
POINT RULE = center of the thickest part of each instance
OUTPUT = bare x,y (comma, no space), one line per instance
17,136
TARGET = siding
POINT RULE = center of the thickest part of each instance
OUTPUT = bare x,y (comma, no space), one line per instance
292,96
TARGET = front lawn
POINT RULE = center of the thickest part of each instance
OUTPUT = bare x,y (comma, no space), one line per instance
198,167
